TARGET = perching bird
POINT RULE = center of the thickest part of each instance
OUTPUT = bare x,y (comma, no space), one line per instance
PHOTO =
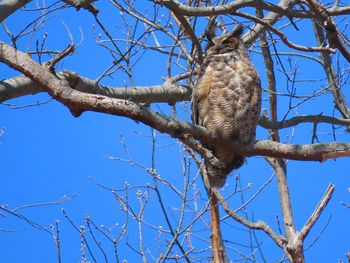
226,100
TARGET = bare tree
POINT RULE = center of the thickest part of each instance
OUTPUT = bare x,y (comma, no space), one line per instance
176,33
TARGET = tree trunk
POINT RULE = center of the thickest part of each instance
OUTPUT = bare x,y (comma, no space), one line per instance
218,248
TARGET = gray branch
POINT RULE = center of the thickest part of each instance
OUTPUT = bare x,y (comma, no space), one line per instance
7,7
167,92
260,225
267,124
232,7
317,212
339,99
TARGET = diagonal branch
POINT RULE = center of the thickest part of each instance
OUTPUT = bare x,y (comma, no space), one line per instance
78,102
317,212
8,7
260,225
279,167
283,37
190,32
231,8
271,78
331,29
339,99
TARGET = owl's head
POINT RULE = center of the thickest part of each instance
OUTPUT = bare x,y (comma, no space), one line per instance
226,43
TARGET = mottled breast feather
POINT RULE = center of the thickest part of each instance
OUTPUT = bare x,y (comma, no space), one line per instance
226,100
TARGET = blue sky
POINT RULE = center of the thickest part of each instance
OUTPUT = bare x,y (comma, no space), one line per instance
46,153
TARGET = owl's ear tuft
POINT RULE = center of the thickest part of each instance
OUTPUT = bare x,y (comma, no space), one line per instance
209,37
237,32
234,35
210,34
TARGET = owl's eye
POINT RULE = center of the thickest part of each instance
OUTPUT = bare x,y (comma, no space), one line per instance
230,41
226,41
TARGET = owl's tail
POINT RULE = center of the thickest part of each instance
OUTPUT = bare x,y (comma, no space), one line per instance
215,177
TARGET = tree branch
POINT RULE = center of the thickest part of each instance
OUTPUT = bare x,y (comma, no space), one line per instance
282,8
7,7
271,78
279,166
189,31
78,102
283,37
218,247
317,212
267,124
260,225
331,29
168,92
85,4
232,7
339,99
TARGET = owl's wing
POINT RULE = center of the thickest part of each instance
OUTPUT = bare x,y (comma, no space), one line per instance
200,95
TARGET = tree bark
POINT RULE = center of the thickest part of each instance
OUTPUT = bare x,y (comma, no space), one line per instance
218,247
7,7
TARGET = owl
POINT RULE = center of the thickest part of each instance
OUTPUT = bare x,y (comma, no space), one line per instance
226,100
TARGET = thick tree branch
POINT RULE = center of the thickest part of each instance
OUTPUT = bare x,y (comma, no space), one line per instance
85,4
338,10
7,7
167,92
232,7
218,247
17,87
303,152
78,102
264,122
